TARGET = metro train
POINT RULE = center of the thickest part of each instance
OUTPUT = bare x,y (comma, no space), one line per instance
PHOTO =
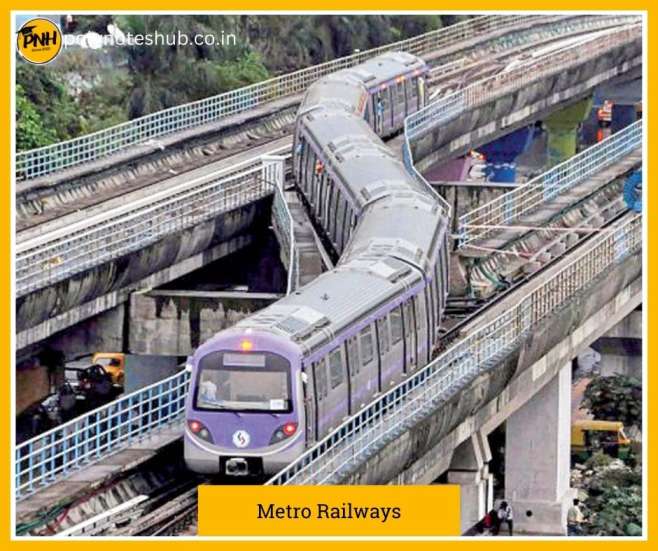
280,380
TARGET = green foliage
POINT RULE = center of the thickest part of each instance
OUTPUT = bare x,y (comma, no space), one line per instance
615,398
44,110
30,130
614,503
616,512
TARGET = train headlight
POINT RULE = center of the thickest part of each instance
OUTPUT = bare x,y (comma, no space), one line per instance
283,432
200,430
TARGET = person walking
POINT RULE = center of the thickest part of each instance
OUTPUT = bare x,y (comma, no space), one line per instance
575,519
506,514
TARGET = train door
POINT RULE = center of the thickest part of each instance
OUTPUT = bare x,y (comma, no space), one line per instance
385,356
409,328
340,215
389,110
421,91
322,191
338,386
346,229
301,181
399,98
300,144
310,403
438,291
397,354
411,86
328,199
432,313
358,387
312,181
422,327
378,109
322,411
334,229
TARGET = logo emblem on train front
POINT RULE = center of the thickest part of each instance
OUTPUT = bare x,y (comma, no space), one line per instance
241,438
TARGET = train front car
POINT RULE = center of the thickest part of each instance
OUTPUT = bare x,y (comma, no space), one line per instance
244,412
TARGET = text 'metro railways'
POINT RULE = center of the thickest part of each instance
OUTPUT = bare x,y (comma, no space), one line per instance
324,511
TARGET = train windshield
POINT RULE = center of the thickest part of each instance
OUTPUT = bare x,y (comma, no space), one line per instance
243,382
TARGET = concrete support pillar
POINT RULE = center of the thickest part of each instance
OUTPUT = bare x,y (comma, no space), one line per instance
501,154
562,130
621,348
469,468
537,459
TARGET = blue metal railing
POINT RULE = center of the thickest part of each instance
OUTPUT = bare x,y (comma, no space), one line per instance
47,458
508,209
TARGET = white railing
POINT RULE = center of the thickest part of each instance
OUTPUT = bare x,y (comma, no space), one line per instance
87,148
274,172
389,416
510,207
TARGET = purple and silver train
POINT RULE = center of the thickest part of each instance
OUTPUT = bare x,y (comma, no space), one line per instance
267,389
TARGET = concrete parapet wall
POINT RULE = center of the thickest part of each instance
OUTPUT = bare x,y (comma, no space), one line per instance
423,453
175,324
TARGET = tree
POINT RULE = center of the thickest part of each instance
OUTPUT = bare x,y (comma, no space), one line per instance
615,398
30,129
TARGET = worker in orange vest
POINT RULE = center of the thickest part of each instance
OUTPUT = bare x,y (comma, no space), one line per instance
604,115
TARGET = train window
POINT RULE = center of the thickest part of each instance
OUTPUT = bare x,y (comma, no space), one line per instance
366,345
336,368
320,371
396,325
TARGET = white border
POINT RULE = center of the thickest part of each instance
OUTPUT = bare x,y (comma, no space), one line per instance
645,265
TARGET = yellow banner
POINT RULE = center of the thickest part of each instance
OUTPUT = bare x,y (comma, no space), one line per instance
329,510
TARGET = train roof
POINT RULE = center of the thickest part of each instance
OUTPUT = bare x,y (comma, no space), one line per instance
329,304
385,67
412,215
342,91
346,89
353,154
